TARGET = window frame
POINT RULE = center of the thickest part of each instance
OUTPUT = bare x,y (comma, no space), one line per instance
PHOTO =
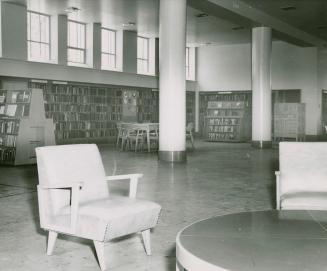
73,47
30,40
108,53
147,60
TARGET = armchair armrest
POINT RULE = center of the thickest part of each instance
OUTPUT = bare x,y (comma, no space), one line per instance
277,173
133,178
61,185
75,187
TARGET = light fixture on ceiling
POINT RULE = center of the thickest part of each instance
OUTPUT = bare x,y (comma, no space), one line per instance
71,9
129,24
288,8
201,15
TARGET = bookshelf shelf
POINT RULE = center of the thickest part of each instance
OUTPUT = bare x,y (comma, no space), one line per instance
23,126
226,117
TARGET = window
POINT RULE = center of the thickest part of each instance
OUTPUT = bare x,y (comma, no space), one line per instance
187,66
142,55
38,36
76,42
108,49
190,63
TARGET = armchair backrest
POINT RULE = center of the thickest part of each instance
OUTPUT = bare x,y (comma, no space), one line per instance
303,166
72,163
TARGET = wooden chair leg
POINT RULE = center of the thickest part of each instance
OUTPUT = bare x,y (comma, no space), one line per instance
99,248
147,241
52,237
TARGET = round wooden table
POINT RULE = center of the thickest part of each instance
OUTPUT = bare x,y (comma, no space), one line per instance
261,241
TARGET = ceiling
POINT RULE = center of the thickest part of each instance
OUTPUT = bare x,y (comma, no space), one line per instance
309,17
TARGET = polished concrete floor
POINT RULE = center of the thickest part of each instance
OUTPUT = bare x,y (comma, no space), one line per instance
217,179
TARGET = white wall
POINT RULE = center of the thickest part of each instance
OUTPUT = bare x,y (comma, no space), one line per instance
13,30
36,70
222,68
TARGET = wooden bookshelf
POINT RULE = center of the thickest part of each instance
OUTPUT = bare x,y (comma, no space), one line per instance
23,126
289,121
227,117
190,107
148,106
89,113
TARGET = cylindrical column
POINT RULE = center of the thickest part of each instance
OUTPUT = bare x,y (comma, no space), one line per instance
261,87
172,101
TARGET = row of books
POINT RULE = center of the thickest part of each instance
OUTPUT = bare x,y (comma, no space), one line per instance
8,126
8,140
84,90
73,116
60,135
221,136
223,129
7,155
228,105
81,99
227,97
15,96
86,125
82,108
224,121
15,110
225,113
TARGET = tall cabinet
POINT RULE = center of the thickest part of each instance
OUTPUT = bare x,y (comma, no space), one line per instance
23,126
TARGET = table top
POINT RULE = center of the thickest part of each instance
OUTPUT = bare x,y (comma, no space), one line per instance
262,240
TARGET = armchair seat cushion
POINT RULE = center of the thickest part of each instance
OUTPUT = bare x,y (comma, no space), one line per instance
304,201
106,219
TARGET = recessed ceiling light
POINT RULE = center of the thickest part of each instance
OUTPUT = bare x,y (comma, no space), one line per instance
238,28
71,9
128,24
288,8
201,15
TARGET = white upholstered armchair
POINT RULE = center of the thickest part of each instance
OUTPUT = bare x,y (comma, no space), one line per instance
301,182
74,199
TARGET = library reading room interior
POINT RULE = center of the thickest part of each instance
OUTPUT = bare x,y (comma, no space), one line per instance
205,119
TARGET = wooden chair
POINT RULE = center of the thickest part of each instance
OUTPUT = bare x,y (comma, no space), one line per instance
301,182
154,135
136,136
189,133
119,134
74,199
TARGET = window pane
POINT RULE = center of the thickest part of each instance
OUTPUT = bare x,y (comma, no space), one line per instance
104,41
139,47
35,49
81,38
145,48
112,42
72,34
112,61
45,27
105,60
75,55
35,27
28,25
45,51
